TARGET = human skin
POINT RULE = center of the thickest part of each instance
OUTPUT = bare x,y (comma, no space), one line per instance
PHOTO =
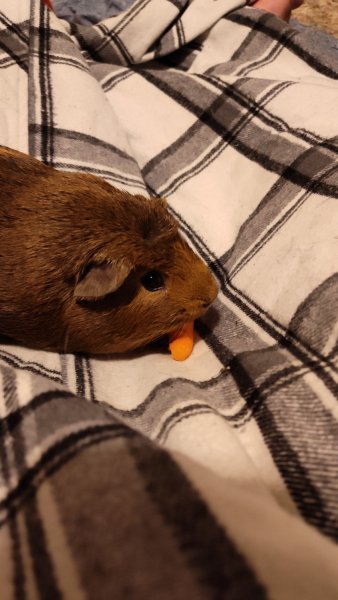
280,8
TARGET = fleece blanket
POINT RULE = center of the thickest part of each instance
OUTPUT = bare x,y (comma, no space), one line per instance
135,476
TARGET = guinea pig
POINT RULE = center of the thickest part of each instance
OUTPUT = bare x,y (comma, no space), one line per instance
85,267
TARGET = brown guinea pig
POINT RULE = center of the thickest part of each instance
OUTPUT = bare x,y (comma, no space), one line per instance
85,267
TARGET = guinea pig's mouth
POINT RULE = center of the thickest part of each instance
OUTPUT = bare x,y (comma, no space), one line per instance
161,342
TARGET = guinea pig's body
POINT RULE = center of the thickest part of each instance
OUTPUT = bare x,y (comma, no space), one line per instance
85,267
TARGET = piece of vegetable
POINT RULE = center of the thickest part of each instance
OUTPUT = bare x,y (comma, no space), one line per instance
181,342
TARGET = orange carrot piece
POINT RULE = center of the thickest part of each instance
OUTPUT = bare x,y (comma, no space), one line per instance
181,342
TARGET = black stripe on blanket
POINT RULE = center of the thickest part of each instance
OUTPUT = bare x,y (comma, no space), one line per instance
112,39
18,578
100,146
300,348
226,119
288,339
113,164
275,208
299,468
110,176
179,415
108,83
272,53
84,377
131,14
15,419
57,59
14,43
9,389
45,575
195,529
180,4
13,459
7,61
79,372
160,398
91,388
46,96
27,365
16,31
180,33
268,232
54,458
163,167
246,99
241,95
277,30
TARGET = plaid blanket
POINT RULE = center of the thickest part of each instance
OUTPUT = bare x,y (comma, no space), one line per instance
136,476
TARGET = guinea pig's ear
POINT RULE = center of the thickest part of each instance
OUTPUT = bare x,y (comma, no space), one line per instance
102,279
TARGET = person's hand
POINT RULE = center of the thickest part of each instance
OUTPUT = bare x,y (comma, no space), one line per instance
280,8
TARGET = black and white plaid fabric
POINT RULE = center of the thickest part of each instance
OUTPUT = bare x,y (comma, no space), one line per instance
136,476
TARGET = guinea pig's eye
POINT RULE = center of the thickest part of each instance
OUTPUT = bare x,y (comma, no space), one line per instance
152,281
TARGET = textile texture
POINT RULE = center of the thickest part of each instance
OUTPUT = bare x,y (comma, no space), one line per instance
135,476
87,11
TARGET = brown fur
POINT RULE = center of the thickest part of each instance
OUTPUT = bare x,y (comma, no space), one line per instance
55,227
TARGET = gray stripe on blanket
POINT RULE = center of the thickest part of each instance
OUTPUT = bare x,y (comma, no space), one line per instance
221,117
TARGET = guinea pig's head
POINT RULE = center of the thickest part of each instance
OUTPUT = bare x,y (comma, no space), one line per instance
142,283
